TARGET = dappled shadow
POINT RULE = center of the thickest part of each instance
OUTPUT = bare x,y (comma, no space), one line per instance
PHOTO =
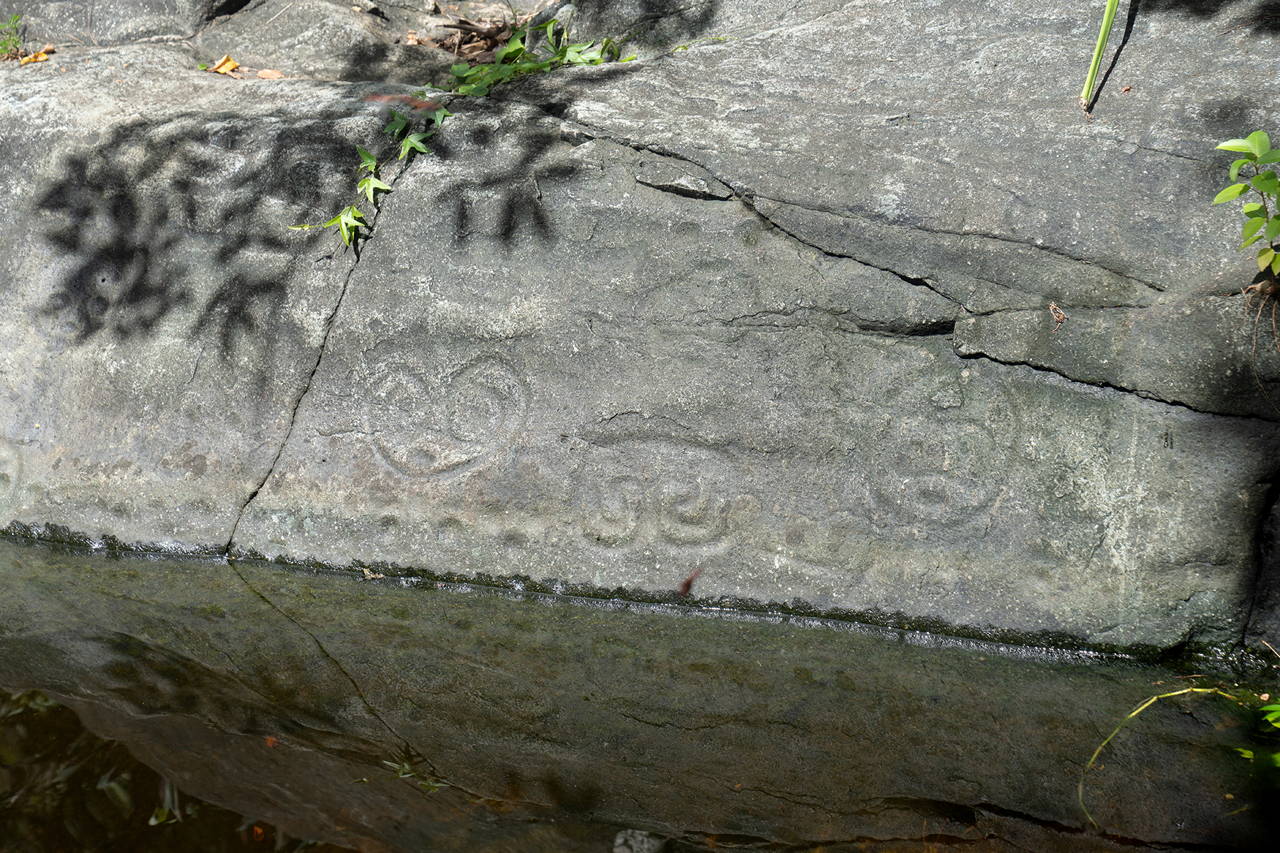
1225,118
184,221
654,24
1261,15
511,178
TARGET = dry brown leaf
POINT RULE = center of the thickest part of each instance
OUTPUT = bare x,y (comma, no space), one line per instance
35,57
225,65
270,74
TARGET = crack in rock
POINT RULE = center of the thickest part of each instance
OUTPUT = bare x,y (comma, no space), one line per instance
306,388
1132,392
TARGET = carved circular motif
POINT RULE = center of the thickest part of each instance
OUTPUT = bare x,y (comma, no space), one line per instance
424,425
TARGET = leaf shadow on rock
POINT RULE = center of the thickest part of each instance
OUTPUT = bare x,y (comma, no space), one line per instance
181,223
504,168
1257,15
654,24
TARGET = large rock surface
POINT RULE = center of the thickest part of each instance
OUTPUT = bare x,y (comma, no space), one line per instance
773,307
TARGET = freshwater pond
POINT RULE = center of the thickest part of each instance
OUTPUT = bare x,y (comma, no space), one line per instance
383,715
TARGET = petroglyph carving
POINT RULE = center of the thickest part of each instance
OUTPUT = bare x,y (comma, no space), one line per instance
424,425
690,513
618,504
931,479
677,510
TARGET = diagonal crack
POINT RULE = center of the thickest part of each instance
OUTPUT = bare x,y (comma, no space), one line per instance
914,281
355,685
986,235
748,196
315,366
1133,392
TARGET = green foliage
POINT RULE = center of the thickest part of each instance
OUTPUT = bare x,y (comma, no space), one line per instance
512,60
1269,715
517,59
405,767
11,38
352,222
1108,20
1261,217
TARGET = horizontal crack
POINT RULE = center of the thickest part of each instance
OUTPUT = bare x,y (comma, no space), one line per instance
842,316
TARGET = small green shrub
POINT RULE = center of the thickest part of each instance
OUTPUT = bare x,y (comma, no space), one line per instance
11,38
1261,222
512,60
351,220
1108,20
1261,217
517,59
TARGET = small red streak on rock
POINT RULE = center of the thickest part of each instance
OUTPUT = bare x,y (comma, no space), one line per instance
271,742
407,100
687,584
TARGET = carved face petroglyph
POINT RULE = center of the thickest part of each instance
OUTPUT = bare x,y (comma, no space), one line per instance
429,425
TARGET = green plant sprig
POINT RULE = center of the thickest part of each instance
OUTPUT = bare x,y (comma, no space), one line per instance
1108,21
516,59
1260,223
1142,706
352,222
11,38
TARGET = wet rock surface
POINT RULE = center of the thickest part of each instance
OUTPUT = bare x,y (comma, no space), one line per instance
553,725
774,306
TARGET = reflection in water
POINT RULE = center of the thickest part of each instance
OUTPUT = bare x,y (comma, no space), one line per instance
388,715
63,788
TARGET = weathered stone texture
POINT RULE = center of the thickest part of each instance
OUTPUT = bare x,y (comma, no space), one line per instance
774,307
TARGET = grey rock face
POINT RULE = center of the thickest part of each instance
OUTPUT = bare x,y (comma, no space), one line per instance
159,316
328,39
117,21
744,309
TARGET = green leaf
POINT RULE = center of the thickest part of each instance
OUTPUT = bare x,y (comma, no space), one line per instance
397,126
1233,191
1275,270
513,47
1249,241
1251,227
1245,753
1266,182
367,161
1239,145
439,116
1273,231
1265,257
1269,158
348,221
461,69
300,227
1235,168
1253,208
1258,141
371,185
412,142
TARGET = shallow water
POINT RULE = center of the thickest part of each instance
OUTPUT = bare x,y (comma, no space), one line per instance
385,715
